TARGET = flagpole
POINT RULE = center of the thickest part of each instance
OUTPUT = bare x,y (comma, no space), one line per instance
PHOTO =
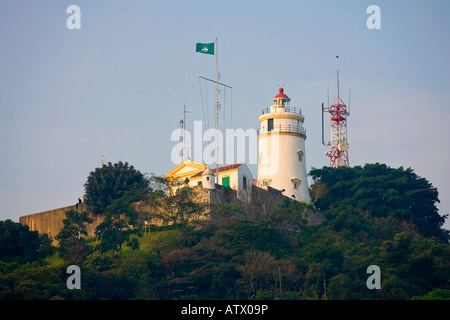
217,112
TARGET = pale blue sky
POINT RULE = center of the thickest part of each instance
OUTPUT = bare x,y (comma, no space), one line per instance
117,85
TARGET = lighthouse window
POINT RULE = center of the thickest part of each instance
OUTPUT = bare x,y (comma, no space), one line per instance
269,124
300,155
296,183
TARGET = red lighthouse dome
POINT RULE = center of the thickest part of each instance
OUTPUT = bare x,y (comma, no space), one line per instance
281,95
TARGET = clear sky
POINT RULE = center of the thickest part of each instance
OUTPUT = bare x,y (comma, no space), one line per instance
117,86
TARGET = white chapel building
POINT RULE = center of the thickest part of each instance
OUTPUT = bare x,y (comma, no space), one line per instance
235,176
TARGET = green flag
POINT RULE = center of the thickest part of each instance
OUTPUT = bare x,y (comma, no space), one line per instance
207,48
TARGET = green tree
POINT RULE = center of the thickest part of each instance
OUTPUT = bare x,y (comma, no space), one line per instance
436,294
176,203
71,237
318,191
340,288
259,271
36,283
120,219
46,248
421,263
18,243
382,191
74,226
328,252
111,182
112,233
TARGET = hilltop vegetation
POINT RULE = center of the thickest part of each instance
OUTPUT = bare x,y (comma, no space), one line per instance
376,215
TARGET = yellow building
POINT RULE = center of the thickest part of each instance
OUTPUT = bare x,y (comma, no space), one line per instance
235,176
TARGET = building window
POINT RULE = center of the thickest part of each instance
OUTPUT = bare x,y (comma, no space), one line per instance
207,178
269,124
244,182
200,183
296,183
266,183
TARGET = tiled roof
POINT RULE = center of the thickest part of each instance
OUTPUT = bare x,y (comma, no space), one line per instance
224,168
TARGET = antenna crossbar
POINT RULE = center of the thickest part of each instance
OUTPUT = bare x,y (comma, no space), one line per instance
220,83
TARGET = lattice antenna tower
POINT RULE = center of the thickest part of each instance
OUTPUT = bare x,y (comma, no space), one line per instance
338,152
184,152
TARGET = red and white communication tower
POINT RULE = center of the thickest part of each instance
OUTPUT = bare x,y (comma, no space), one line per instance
338,123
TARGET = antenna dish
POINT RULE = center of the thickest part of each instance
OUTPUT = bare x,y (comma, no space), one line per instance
340,162
342,146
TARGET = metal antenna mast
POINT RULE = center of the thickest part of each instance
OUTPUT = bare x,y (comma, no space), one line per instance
217,104
339,145
183,135
216,78
337,75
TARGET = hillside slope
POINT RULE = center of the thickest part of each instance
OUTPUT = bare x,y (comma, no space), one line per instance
376,215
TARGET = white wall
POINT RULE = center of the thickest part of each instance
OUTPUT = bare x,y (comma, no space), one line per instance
279,162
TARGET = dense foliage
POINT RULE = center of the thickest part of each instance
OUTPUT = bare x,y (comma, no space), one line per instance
111,182
18,244
390,222
380,191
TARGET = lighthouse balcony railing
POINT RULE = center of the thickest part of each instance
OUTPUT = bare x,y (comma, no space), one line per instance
274,109
284,129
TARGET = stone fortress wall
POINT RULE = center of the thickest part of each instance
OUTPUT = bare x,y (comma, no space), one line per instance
51,221
262,199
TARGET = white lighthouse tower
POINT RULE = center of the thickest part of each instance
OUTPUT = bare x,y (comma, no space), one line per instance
281,154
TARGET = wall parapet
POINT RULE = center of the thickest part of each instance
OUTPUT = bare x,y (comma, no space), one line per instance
51,221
